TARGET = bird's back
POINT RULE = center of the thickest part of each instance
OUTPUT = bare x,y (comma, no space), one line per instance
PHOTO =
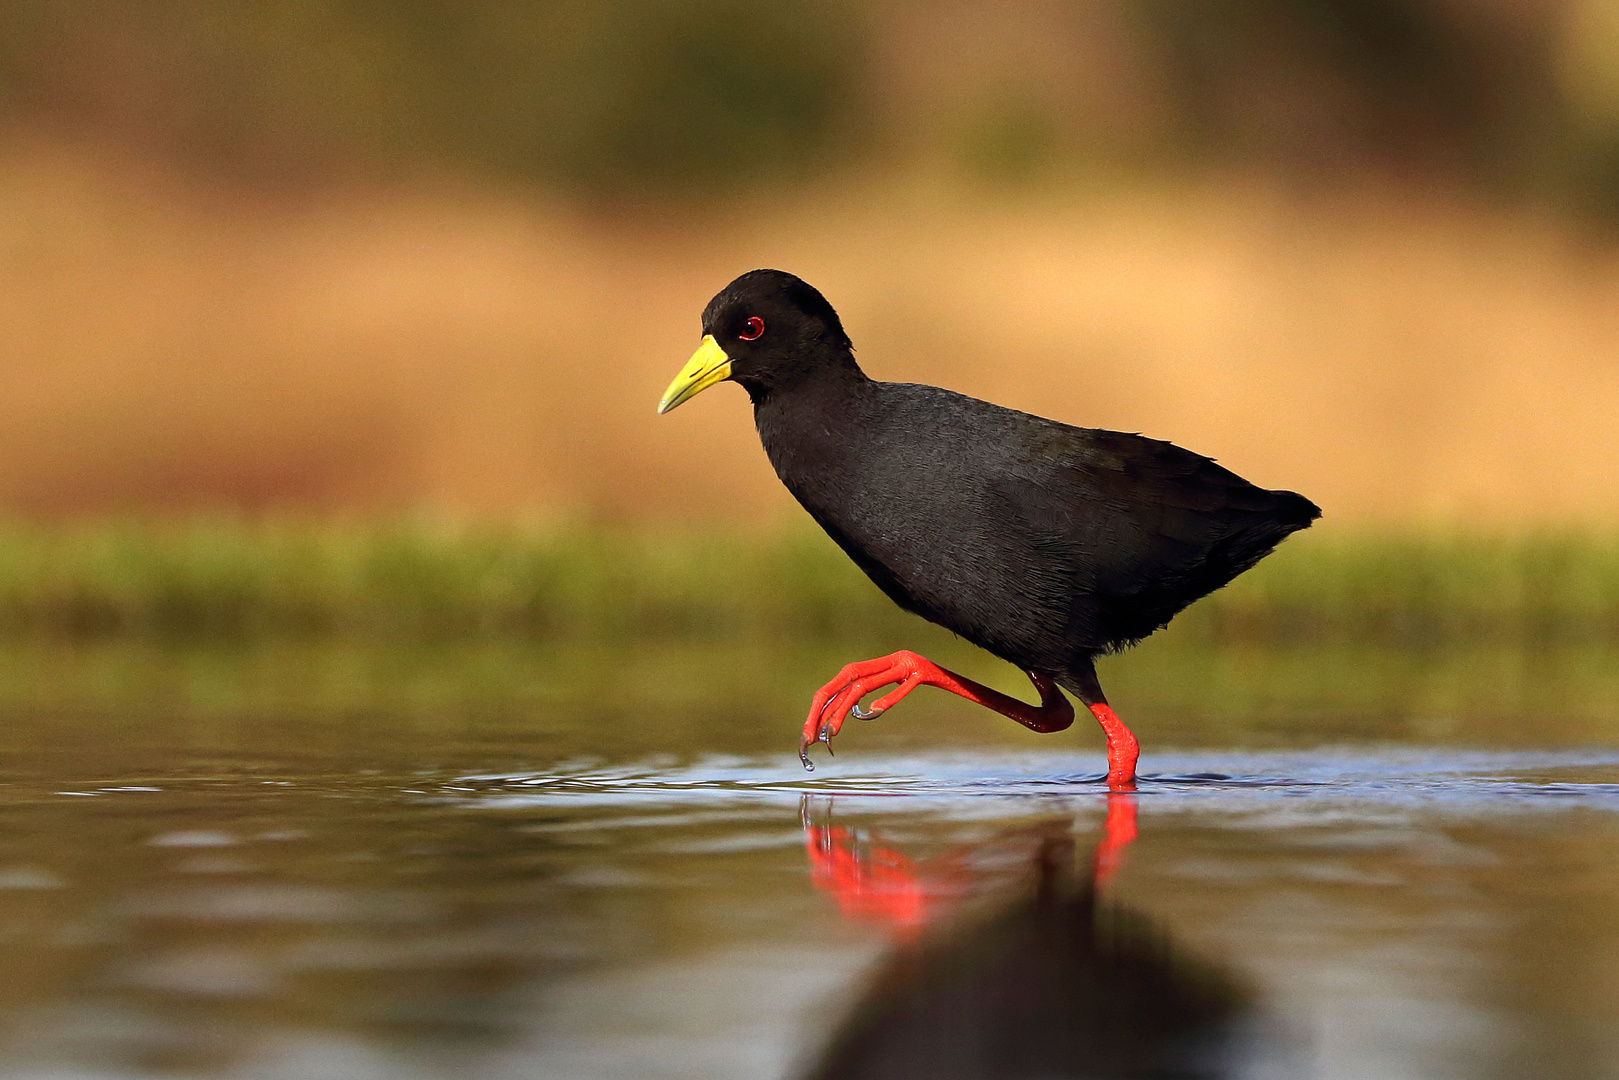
1038,541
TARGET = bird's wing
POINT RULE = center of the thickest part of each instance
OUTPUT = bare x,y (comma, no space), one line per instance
1145,526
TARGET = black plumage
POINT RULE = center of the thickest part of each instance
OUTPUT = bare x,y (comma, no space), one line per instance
1044,544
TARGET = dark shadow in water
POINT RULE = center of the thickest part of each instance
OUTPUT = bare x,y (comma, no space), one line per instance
1044,981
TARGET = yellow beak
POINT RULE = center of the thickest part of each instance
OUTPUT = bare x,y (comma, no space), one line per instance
707,366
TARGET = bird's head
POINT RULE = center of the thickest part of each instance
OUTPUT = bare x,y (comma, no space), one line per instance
765,330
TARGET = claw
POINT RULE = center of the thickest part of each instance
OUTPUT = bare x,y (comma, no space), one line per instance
860,714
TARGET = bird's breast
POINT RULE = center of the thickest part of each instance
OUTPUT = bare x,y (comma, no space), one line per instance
914,505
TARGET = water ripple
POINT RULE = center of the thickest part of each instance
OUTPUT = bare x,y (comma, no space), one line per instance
1510,779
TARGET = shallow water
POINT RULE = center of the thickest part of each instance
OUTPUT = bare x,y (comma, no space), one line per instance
247,883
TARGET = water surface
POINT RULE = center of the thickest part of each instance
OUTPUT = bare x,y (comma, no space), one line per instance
210,869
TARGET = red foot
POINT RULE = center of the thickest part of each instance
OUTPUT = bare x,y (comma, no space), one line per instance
837,699
1118,833
1122,749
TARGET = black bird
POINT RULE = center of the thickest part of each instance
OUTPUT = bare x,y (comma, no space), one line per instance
1045,544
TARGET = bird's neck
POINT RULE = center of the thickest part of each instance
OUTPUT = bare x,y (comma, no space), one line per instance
813,375
812,431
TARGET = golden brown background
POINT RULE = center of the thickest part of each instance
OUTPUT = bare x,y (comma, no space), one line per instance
1364,251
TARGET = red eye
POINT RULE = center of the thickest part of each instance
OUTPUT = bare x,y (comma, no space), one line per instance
755,327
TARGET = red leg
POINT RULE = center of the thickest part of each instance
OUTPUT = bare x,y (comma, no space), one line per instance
1122,748
835,701
838,698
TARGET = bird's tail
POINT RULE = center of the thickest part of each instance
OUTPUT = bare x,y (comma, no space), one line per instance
1294,511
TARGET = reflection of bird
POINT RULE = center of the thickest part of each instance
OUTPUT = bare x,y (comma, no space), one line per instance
1049,985
873,882
1045,544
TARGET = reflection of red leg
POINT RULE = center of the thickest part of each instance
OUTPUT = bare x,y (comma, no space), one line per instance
834,701
1122,749
1118,833
878,885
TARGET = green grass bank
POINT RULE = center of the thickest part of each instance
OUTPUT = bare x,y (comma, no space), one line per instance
418,580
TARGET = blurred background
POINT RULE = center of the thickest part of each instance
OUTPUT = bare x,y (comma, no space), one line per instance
384,256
